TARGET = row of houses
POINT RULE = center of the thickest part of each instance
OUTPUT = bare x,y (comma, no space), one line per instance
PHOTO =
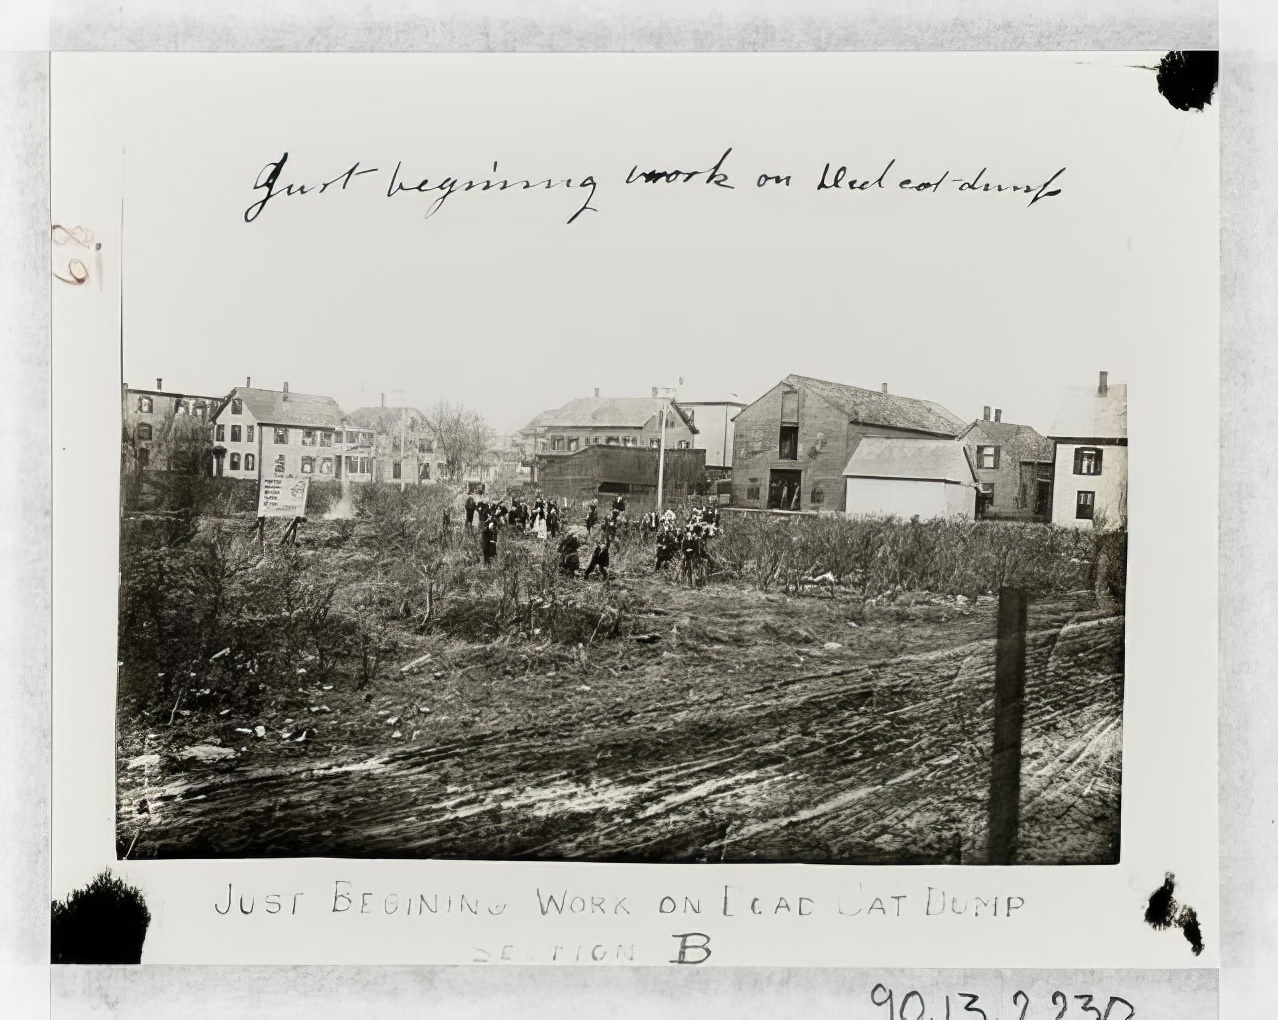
813,445
258,431
806,445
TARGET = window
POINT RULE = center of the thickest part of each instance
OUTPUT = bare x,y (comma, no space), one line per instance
573,444
146,405
363,465
395,469
685,444
350,436
557,443
752,492
308,465
629,440
279,464
654,444
199,410
326,466
281,435
308,437
395,443
221,433
237,405
249,461
1087,461
144,457
145,432
235,462
594,440
179,406
326,439
424,472
351,465
790,407
426,446
987,457
612,441
1085,506
818,495
236,432
788,443
249,434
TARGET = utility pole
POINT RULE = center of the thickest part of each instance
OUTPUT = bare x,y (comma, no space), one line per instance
666,407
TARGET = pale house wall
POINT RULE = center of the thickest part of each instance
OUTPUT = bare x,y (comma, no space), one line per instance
1110,485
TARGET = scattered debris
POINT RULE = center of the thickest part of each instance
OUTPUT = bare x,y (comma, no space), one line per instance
206,752
397,735
218,655
259,731
416,663
144,761
831,646
647,639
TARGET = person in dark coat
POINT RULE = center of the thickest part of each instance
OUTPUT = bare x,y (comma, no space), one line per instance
470,510
619,505
488,539
569,559
599,558
592,515
552,519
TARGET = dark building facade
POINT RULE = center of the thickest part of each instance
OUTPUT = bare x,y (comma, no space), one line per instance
601,472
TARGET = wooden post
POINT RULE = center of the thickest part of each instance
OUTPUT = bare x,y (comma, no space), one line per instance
1009,715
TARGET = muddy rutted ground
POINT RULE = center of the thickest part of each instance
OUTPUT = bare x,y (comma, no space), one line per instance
745,727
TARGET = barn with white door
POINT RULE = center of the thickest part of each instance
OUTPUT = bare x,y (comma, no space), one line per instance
910,478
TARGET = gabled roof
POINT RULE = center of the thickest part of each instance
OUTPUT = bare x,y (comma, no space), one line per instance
874,407
1085,414
929,459
606,412
384,419
1020,440
303,410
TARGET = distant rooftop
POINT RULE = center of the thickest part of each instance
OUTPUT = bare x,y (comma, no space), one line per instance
605,412
874,407
300,409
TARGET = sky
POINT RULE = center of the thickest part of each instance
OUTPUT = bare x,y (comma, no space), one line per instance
964,298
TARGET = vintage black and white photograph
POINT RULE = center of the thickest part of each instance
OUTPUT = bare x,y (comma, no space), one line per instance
747,484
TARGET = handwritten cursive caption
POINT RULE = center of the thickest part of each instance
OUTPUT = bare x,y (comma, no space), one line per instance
398,182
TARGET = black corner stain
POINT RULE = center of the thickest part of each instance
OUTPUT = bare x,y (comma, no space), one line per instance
105,922
1162,913
1187,78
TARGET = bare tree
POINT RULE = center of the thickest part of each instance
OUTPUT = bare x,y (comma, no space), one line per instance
461,434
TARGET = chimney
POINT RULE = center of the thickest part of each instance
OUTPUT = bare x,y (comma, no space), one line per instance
987,412
885,387
159,384
654,392
596,391
248,381
383,400
998,414
1103,388
285,397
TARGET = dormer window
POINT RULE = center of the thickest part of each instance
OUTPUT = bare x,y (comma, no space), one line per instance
237,405
146,405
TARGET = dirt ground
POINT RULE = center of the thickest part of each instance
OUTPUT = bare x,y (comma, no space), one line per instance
743,727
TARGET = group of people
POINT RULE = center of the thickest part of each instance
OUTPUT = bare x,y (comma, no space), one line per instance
690,544
540,518
687,542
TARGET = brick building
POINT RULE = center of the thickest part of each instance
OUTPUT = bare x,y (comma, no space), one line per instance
1013,465
146,415
790,446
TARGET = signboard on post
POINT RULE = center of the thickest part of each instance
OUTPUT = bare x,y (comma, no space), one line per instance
282,496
